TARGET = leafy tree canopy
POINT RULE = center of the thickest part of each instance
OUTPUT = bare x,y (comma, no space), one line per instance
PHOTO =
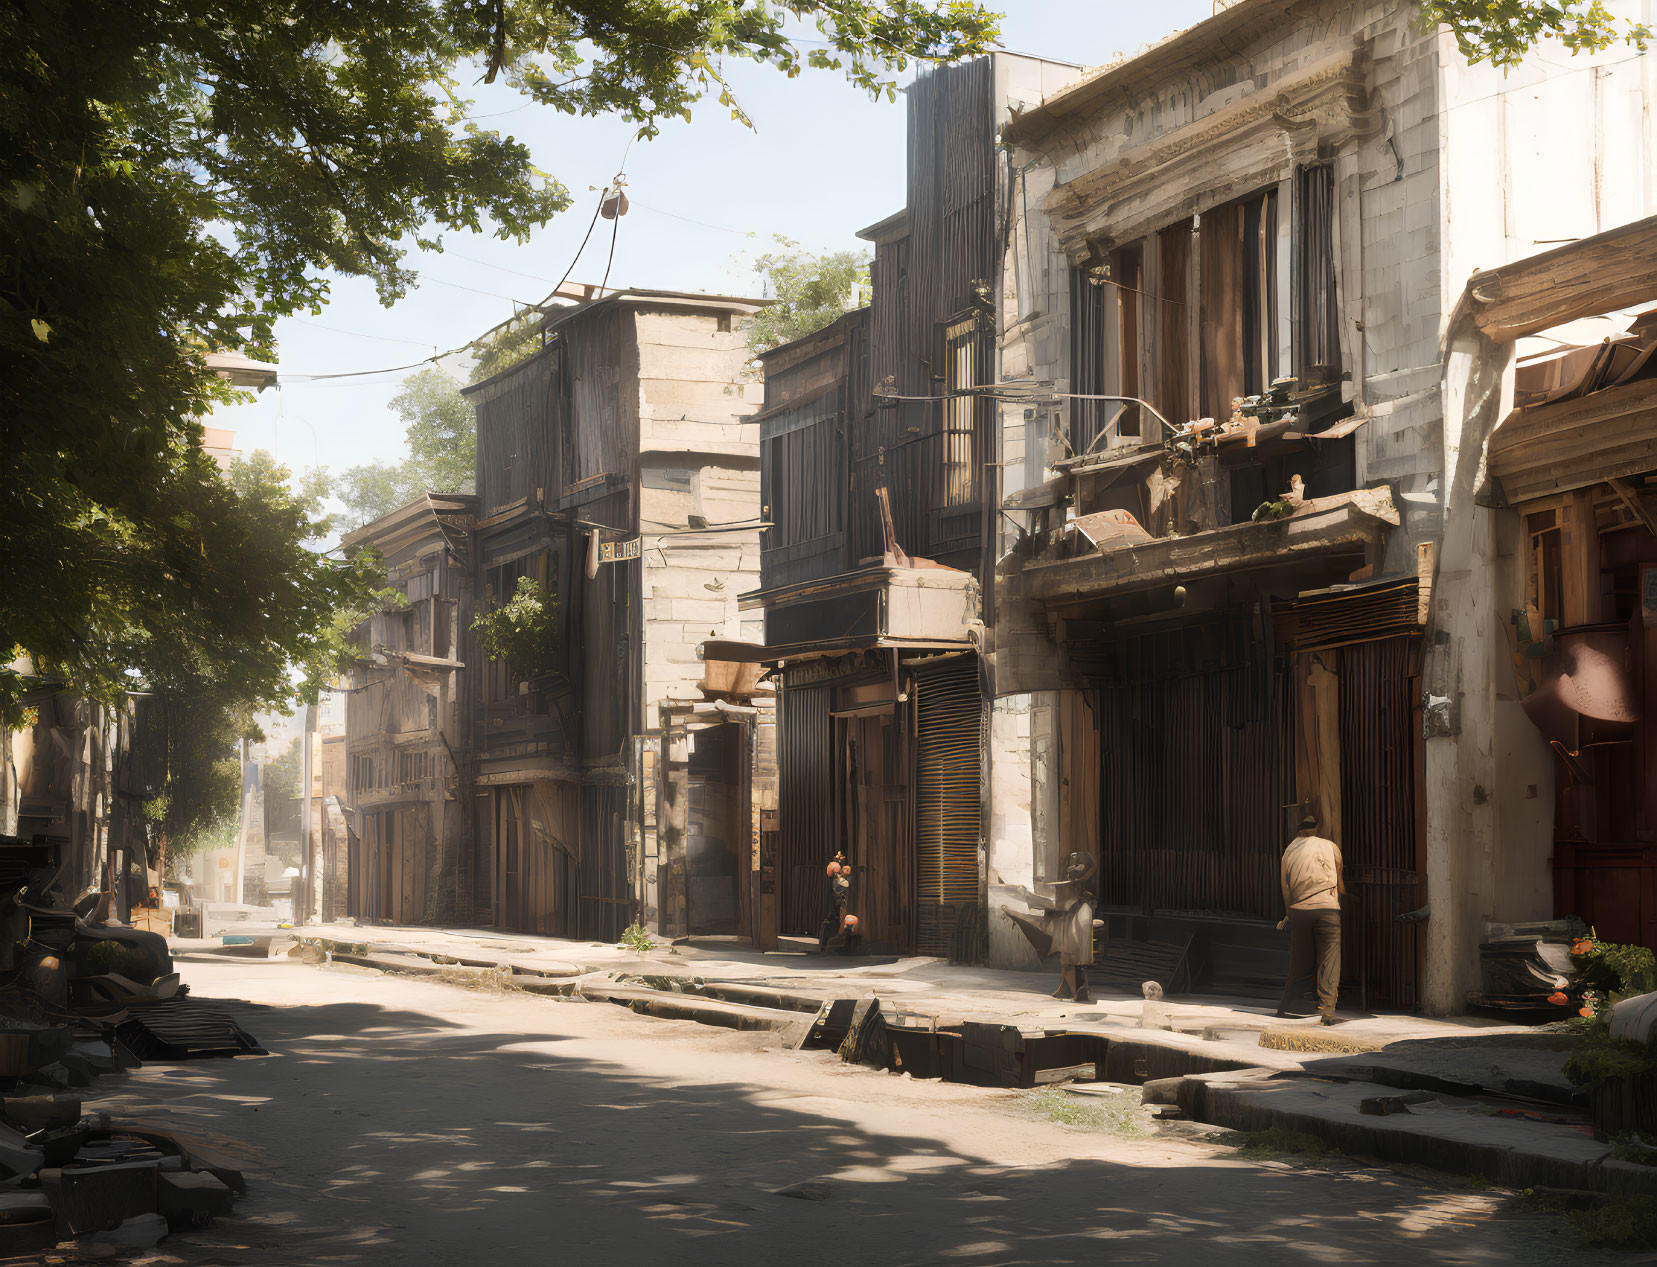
175,175
1501,32
441,432
808,291
237,620
521,630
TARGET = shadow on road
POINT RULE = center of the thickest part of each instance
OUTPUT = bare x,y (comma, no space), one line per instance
380,1135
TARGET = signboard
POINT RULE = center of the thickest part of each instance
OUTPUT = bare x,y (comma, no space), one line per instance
618,551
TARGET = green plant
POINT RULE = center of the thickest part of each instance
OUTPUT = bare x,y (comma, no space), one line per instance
1274,1143
1607,971
807,291
1502,32
637,939
1117,1113
1618,1223
520,630
1601,1059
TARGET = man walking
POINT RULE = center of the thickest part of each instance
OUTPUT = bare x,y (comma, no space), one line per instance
1312,892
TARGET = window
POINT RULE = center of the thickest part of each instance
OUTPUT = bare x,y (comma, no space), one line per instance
961,343
1091,297
1316,319
1192,317
1238,277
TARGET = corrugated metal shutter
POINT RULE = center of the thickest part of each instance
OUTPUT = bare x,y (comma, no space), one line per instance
948,805
806,819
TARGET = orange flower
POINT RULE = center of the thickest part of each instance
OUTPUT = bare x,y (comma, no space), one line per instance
1582,946
1585,1010
850,922
1559,998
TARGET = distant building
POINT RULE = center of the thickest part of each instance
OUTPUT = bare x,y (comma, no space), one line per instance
619,468
401,765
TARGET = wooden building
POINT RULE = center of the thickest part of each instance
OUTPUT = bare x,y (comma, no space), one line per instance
1568,502
1227,592
880,486
410,849
618,466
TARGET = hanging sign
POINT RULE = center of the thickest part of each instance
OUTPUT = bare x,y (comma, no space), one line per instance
618,551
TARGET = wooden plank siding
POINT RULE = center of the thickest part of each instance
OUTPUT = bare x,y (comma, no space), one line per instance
561,441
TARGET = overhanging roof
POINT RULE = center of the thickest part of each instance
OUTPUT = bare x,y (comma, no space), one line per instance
1344,524
758,653
407,524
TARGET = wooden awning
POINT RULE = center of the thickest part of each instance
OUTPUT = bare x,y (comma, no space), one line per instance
1569,444
1346,524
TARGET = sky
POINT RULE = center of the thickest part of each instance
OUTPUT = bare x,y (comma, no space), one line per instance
821,162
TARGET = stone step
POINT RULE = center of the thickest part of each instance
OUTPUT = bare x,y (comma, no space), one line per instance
673,1005
1508,1147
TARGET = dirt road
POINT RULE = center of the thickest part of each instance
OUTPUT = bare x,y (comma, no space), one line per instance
408,1122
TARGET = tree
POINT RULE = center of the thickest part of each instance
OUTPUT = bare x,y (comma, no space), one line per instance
1501,32
273,616
808,291
442,436
522,630
175,175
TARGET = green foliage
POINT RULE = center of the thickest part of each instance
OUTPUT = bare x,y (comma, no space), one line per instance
177,175
281,773
1620,1222
636,937
440,429
1118,1113
809,291
219,833
517,340
264,613
1501,32
1274,1143
521,630
1601,1060
1608,972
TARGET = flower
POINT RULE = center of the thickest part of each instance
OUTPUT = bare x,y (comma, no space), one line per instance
1586,1010
1582,946
1559,998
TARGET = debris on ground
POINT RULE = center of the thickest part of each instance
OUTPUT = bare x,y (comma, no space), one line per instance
92,996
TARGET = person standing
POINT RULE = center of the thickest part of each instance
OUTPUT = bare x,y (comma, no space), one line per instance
1312,892
1073,937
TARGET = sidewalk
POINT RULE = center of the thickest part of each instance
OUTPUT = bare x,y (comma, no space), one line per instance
1460,1094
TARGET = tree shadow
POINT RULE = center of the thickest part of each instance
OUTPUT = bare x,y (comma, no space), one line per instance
385,1135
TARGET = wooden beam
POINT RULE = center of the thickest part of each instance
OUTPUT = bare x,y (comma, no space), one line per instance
1579,557
1600,274
1631,499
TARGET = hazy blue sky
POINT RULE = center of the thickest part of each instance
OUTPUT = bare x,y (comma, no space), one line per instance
822,162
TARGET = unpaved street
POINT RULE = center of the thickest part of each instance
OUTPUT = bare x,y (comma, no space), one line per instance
398,1121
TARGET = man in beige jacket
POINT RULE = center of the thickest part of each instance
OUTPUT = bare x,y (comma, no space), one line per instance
1312,892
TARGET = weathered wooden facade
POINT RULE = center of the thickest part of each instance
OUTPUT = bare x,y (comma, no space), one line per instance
409,848
880,486
77,774
617,466
1567,499
1230,262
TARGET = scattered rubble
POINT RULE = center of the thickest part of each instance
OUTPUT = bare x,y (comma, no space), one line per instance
89,998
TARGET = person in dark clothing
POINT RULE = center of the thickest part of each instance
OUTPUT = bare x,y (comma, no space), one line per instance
1312,892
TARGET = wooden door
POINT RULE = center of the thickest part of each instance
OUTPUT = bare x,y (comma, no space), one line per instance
875,814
